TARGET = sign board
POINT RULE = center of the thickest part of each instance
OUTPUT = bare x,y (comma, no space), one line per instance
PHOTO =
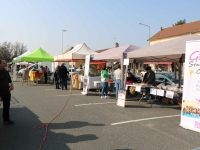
126,62
138,88
169,94
121,98
160,92
190,118
153,91
85,84
87,65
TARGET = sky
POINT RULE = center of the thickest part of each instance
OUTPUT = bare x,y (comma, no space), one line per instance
98,23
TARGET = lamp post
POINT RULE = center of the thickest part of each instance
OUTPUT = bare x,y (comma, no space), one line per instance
149,30
62,39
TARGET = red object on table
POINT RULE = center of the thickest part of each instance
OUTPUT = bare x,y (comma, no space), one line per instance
129,82
109,80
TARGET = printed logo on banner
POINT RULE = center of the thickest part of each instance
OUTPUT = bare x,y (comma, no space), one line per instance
194,63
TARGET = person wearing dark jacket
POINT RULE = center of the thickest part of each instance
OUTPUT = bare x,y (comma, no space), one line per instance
150,79
56,77
6,86
63,74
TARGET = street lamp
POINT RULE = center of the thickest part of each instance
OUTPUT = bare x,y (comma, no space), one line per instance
149,30
62,39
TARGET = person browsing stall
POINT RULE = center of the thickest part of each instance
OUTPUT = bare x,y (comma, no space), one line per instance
118,84
6,86
104,80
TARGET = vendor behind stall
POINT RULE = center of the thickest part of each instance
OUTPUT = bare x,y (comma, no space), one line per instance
150,79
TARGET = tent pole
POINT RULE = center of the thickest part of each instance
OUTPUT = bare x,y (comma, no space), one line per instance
180,71
71,80
122,71
175,71
134,67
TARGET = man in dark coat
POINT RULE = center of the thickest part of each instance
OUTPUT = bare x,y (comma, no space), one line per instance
150,79
6,86
63,74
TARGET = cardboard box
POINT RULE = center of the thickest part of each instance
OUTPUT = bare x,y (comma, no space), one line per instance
165,100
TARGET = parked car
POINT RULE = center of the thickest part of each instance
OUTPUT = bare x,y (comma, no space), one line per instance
171,76
162,78
143,72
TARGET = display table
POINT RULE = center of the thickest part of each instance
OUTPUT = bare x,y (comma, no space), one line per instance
154,91
34,76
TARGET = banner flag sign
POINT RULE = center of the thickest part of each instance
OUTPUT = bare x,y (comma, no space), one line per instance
190,113
85,80
121,98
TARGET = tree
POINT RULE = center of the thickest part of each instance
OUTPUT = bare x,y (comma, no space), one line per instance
8,51
180,22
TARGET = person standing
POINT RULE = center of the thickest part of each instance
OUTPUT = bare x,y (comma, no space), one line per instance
118,84
6,86
56,77
104,80
45,74
150,79
63,72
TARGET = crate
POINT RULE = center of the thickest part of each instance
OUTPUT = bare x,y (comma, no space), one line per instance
166,100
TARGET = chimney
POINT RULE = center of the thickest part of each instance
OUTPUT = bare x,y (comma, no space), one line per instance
161,28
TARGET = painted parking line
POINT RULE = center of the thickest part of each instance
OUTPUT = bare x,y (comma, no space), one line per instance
69,94
99,103
95,104
145,119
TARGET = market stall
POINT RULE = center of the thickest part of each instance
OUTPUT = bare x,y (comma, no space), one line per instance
77,54
169,51
115,54
38,55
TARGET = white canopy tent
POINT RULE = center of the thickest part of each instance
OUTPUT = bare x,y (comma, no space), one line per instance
18,58
169,51
114,53
76,54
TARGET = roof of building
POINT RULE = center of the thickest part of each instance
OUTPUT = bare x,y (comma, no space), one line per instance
183,29
101,50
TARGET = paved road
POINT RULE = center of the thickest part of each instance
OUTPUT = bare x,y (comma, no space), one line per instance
88,123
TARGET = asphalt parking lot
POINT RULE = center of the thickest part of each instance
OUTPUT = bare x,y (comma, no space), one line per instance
91,123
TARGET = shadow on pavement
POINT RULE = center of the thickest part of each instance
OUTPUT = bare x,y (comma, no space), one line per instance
72,124
23,136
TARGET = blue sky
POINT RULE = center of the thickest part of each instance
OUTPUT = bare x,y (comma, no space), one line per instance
39,23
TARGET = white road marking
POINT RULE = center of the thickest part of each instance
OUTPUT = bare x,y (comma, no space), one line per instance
153,118
69,94
99,103
96,103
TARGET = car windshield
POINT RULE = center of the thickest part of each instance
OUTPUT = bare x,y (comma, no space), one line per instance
162,77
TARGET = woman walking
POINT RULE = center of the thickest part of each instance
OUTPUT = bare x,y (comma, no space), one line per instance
104,80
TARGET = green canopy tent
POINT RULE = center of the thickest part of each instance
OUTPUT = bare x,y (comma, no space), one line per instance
38,55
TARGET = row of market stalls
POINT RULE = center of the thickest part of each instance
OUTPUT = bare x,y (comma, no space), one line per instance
174,50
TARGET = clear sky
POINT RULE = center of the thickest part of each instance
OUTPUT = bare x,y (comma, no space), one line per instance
39,23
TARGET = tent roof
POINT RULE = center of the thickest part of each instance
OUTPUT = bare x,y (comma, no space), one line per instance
171,50
114,53
38,55
76,54
24,54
